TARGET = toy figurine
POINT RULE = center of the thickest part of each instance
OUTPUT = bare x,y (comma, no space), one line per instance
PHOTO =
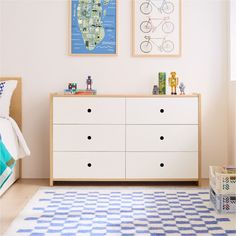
89,83
173,83
72,86
182,88
155,90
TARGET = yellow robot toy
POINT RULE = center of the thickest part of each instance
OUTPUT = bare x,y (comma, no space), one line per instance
173,83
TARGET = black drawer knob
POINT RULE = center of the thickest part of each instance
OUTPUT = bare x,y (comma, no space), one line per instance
162,165
89,164
89,137
162,110
162,138
89,110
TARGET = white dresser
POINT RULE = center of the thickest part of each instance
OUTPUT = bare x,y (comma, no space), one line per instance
125,138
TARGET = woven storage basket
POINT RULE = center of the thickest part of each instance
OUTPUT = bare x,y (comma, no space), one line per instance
222,182
223,203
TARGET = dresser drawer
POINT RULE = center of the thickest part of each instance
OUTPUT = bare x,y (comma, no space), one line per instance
87,165
162,138
162,165
162,110
88,138
88,110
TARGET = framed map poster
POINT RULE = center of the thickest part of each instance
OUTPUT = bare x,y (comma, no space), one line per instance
156,27
93,27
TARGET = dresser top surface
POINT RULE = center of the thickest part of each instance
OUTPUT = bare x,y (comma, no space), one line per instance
127,95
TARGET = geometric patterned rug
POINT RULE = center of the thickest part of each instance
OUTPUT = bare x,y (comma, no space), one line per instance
117,212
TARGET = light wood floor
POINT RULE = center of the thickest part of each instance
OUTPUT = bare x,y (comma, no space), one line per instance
14,200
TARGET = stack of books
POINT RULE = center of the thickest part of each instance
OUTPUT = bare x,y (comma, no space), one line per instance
86,92
80,92
70,91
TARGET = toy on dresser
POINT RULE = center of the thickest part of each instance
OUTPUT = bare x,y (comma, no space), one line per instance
89,90
173,83
73,88
155,90
162,83
182,88
89,83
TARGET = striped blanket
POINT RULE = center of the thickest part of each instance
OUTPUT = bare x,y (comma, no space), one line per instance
7,164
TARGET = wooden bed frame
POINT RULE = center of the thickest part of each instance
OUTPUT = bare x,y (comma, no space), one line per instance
16,114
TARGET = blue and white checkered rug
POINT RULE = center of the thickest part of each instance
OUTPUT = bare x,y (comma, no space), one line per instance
113,212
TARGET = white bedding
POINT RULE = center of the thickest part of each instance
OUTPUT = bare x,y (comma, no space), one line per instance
13,138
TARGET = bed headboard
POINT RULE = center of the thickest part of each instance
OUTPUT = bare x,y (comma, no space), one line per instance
16,102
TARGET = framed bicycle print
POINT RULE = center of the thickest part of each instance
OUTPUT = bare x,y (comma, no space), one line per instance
93,27
156,27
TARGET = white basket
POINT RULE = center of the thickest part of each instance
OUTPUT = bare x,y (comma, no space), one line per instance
222,182
223,203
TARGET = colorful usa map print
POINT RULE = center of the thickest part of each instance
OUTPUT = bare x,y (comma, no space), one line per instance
93,26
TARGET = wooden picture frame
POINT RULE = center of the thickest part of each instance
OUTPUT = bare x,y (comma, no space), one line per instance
88,39
157,28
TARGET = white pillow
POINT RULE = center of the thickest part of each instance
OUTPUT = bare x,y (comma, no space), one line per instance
6,90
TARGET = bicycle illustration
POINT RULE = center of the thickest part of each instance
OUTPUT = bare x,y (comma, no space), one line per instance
148,26
164,45
166,7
